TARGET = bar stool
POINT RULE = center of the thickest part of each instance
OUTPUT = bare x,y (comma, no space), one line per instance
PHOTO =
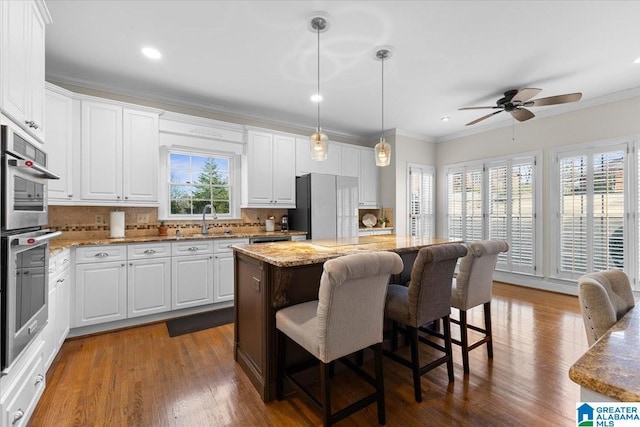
347,317
425,300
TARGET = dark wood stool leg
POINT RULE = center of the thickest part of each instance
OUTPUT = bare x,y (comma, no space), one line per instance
394,335
281,346
415,362
325,390
382,416
487,327
464,341
446,326
360,357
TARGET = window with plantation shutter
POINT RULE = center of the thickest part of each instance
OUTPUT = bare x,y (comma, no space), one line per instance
421,209
592,210
511,212
465,219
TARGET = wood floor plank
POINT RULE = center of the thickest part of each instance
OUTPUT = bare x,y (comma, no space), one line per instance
142,377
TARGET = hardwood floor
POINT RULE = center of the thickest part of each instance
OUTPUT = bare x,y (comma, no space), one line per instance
141,377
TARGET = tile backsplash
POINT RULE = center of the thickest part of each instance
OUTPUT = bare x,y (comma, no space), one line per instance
93,221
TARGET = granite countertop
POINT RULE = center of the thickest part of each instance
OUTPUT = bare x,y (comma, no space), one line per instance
610,366
291,254
60,243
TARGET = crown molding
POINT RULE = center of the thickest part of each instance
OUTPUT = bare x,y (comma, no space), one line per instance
415,135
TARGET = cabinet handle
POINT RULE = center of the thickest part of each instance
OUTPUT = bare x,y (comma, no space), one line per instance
131,264
17,416
118,197
150,251
60,280
101,255
31,124
39,379
69,195
122,265
193,249
65,261
126,197
256,284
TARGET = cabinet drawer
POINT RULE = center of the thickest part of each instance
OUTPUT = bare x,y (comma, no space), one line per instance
221,246
149,250
59,261
28,389
101,253
192,247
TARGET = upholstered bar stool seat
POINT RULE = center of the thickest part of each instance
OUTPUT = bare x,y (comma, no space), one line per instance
424,300
473,287
347,317
604,297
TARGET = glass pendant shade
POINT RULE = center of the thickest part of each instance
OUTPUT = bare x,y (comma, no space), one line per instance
319,145
382,153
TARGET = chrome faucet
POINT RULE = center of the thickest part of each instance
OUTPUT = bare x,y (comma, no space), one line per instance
205,227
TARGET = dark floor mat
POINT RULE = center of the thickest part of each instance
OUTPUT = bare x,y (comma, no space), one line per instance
200,321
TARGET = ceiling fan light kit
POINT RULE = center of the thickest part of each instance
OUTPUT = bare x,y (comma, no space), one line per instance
514,101
319,140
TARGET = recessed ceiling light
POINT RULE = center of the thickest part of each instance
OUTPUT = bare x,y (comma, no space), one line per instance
637,61
151,53
316,97
444,119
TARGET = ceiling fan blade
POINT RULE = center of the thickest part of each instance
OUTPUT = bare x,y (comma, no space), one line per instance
522,114
483,117
476,108
526,94
553,100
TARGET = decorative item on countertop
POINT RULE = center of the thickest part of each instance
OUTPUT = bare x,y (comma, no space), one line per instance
383,221
369,220
270,223
162,229
116,225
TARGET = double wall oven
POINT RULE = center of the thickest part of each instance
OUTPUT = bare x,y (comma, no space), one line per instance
24,244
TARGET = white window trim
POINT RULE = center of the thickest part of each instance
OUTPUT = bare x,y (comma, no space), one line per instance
426,169
631,170
164,210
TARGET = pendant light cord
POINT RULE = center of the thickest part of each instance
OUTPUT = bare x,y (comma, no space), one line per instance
382,128
318,28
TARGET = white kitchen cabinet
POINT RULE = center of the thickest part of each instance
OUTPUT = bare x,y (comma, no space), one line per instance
119,154
360,162
58,125
100,285
59,305
223,273
192,274
22,63
305,165
298,237
148,286
271,170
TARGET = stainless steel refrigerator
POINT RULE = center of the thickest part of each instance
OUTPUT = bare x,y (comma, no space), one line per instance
326,206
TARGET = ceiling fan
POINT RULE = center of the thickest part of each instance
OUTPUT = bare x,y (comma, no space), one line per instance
515,100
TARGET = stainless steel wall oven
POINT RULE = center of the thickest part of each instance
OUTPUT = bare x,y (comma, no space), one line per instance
24,253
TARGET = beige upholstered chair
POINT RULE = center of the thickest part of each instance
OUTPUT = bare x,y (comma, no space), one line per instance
347,317
605,297
472,288
424,300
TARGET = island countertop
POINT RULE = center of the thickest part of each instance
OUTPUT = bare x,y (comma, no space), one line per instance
291,254
610,366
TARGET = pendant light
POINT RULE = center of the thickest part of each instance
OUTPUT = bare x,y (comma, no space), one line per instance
382,149
319,140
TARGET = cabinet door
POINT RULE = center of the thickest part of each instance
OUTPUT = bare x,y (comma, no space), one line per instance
101,147
49,334
148,286
192,281
369,177
304,163
35,88
259,159
15,58
223,277
58,122
64,307
350,161
140,151
284,171
101,293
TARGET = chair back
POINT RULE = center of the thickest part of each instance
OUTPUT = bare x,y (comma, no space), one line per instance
430,285
605,297
351,300
474,283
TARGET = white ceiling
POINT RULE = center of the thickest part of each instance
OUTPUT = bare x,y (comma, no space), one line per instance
258,58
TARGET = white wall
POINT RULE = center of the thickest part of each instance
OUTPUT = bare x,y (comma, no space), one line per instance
599,123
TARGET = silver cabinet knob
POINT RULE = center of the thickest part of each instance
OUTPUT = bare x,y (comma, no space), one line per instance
101,255
39,379
17,416
69,195
150,251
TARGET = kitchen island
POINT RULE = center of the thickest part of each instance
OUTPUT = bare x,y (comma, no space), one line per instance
272,276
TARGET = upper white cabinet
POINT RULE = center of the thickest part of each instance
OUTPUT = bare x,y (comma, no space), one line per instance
305,165
119,154
22,69
58,123
360,162
270,171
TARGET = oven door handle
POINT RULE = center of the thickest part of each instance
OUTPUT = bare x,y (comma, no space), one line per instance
30,241
32,166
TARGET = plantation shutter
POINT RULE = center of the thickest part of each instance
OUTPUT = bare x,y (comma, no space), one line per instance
421,210
464,204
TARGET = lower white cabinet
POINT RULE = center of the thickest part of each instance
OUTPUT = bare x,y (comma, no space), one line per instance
148,286
101,292
59,305
223,273
192,281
